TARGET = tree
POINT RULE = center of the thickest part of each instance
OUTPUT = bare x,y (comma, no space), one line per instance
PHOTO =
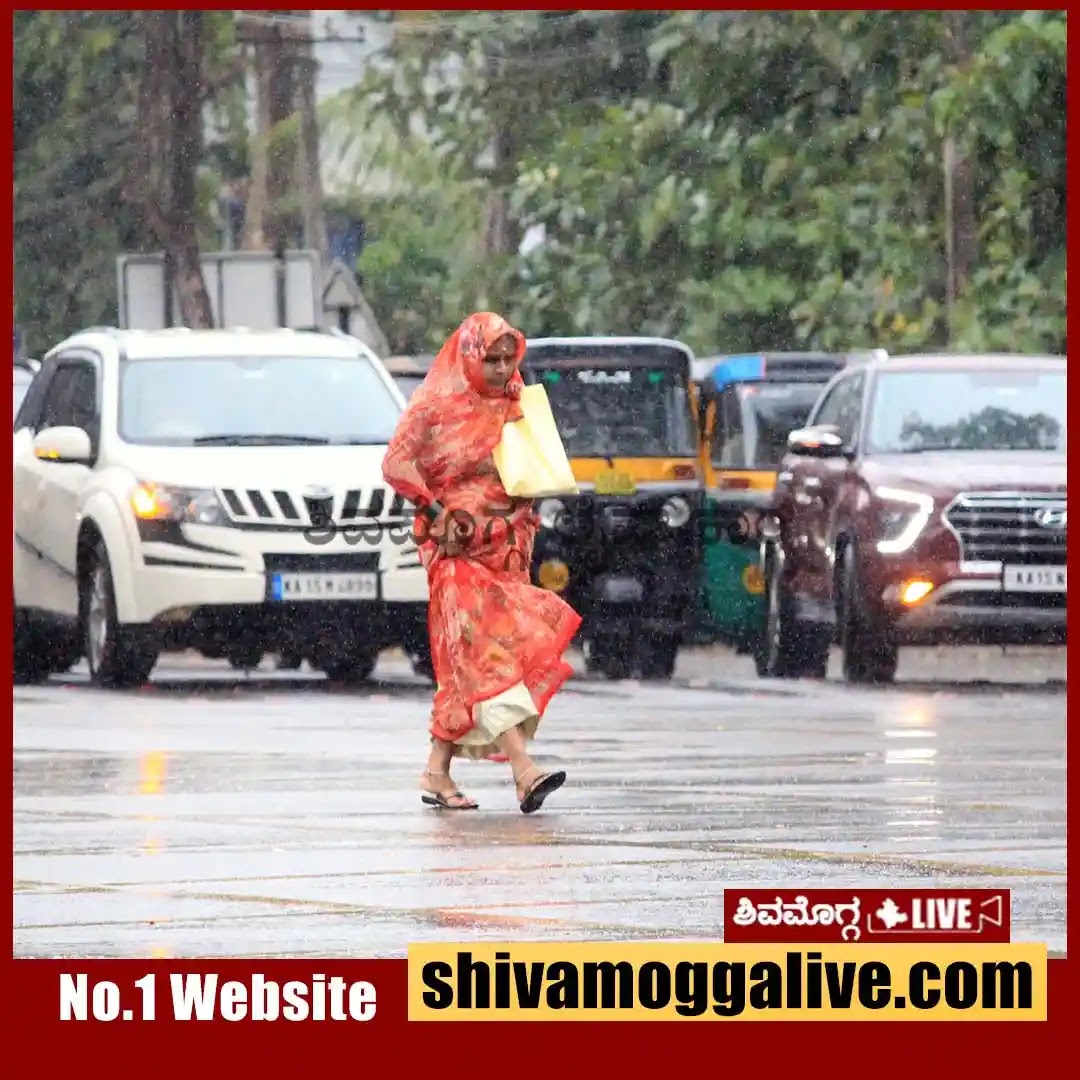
81,166
172,92
476,93
790,189
74,148
750,180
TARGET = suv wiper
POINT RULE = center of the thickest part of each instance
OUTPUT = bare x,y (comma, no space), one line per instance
259,440
360,441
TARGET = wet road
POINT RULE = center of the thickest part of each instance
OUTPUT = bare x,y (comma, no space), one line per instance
209,815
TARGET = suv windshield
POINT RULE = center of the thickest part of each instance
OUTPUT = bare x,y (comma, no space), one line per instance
610,411
269,399
1013,409
772,411
23,378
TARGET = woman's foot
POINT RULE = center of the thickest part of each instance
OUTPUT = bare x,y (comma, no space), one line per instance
534,786
440,790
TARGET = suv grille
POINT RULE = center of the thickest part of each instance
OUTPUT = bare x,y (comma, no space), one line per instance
1004,527
305,508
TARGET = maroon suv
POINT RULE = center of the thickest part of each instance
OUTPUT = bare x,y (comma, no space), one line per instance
923,503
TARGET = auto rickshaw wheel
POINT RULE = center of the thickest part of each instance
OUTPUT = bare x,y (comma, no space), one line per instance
609,657
658,659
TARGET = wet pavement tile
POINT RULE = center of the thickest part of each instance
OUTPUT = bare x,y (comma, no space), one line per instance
274,816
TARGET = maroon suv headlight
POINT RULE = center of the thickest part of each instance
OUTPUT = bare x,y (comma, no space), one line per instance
903,517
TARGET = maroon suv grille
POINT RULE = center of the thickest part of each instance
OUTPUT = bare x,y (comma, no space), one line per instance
1010,527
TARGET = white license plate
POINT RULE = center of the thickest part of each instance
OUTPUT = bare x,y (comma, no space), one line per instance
327,586
1044,579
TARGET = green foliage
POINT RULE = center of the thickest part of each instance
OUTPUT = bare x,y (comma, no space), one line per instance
407,272
74,126
1010,108
765,180
422,262
75,85
736,179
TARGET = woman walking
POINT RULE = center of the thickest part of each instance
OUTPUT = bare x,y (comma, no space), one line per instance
497,642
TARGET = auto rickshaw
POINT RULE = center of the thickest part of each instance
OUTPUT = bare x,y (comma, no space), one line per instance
624,552
747,404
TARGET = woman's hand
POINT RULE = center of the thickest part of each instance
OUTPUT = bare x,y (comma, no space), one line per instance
452,531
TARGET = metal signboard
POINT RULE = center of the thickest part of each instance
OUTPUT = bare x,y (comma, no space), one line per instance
253,289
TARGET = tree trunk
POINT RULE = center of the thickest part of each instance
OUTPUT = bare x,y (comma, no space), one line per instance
273,154
961,233
499,234
186,154
309,172
258,196
170,122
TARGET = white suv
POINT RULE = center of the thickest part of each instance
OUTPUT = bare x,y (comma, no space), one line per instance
216,489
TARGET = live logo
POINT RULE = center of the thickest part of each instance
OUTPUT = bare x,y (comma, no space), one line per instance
942,913
862,915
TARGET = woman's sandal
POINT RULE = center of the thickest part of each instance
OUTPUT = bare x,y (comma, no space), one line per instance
438,799
541,788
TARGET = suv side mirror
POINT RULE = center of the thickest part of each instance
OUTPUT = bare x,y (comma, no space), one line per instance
819,442
68,445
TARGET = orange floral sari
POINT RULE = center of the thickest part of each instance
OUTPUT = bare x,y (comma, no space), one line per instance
490,628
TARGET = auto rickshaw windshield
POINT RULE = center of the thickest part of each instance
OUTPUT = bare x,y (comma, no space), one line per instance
610,411
757,438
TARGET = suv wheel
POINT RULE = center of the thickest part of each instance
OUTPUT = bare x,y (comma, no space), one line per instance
788,649
30,661
117,656
870,654
39,652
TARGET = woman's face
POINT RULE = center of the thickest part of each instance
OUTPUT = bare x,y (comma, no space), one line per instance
499,364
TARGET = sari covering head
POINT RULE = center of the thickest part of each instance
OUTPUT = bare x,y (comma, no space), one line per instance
490,628
454,420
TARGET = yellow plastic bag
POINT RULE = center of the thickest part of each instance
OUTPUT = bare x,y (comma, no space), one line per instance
531,460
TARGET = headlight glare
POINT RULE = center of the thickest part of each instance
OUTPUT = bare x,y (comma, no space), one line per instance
903,518
162,502
550,512
675,512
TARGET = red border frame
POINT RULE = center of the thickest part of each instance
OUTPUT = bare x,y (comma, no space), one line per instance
508,1049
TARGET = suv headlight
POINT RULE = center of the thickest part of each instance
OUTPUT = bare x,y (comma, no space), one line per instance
903,518
161,502
675,512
